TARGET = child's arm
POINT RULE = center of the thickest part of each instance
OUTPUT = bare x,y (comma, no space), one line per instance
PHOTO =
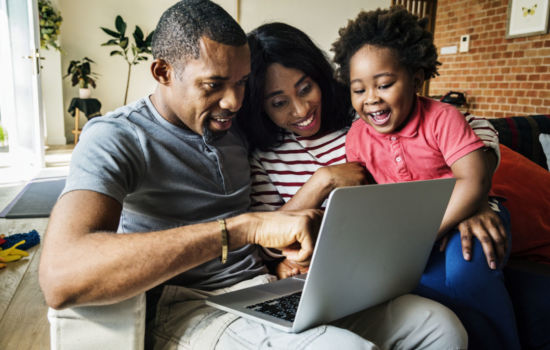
471,189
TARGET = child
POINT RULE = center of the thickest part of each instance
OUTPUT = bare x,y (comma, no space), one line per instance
384,56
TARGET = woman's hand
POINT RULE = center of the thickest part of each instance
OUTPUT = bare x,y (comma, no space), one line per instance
487,227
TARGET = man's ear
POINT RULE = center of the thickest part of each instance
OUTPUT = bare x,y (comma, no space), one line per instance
162,71
418,79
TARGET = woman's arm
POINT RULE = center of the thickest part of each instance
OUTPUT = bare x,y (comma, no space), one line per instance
485,224
314,192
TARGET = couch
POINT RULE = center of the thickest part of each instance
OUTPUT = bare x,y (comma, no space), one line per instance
527,189
122,326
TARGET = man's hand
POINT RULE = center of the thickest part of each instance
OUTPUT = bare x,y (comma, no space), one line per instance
487,227
293,232
288,268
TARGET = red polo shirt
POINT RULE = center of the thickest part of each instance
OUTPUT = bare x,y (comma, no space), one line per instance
434,137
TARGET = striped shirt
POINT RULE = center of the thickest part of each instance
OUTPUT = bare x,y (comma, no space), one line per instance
279,172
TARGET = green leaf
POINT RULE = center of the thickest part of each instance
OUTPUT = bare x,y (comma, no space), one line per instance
110,32
111,42
120,26
138,36
116,53
149,38
124,42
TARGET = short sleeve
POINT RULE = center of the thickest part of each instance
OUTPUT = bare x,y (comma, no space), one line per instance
486,132
454,135
107,159
264,194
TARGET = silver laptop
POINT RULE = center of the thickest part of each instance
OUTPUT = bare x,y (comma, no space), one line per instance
373,245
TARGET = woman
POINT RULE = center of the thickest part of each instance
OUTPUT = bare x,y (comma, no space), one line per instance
296,116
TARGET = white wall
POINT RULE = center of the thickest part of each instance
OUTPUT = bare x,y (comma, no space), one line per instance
81,36
320,19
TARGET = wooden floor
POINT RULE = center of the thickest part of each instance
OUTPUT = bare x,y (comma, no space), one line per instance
23,321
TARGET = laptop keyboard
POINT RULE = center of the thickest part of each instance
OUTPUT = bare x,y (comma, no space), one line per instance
283,307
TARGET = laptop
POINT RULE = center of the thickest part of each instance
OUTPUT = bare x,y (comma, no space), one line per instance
373,245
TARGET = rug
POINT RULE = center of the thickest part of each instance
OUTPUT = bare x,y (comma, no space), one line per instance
35,200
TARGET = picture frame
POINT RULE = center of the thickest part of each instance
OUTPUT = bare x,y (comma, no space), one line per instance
527,17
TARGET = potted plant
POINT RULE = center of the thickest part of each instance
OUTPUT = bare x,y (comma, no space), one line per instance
81,74
133,53
50,21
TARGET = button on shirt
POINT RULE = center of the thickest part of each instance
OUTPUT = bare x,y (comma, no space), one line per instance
435,136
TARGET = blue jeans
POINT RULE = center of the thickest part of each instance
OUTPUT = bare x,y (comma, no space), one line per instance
476,293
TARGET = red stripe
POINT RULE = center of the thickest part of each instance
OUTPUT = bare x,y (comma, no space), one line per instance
279,161
289,184
289,172
326,143
308,148
291,151
331,150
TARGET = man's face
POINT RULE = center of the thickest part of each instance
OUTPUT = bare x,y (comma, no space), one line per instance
205,93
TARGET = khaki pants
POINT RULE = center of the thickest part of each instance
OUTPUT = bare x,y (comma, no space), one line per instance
184,321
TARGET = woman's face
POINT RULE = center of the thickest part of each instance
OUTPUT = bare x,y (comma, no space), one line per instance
292,100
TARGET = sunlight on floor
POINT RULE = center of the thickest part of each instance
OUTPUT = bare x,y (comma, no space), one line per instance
57,164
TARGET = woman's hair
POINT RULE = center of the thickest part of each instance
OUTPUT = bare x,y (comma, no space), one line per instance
393,28
292,48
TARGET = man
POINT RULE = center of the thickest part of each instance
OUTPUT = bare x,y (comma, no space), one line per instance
161,170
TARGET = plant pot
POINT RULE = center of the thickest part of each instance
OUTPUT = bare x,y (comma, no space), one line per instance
85,93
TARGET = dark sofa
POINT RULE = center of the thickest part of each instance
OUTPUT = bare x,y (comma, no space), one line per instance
528,282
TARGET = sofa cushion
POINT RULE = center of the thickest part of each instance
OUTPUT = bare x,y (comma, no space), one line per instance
526,187
545,142
522,135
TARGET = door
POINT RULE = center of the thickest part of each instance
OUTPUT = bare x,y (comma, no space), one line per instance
21,106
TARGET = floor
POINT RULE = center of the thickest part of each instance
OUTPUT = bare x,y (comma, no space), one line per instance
23,322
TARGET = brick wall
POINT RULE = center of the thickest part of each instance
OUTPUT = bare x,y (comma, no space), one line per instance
501,77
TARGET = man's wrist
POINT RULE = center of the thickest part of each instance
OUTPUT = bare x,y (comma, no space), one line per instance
237,228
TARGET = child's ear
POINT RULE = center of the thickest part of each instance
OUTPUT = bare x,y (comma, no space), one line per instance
418,79
162,71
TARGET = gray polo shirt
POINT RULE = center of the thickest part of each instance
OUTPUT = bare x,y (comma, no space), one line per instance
166,177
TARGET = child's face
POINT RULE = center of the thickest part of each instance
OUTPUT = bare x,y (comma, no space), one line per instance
292,100
382,90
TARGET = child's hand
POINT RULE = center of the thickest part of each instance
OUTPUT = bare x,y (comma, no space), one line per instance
288,268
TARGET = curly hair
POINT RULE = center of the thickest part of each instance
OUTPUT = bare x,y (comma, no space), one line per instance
284,44
393,28
178,32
